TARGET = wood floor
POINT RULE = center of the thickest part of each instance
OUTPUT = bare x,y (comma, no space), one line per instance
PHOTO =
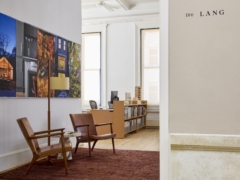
144,139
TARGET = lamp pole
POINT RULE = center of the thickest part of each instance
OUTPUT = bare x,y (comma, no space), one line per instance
49,125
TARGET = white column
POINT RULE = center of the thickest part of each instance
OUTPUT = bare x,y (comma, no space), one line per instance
164,95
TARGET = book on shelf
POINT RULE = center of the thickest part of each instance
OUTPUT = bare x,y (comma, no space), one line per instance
138,92
136,102
129,112
143,110
138,111
132,111
125,112
126,126
142,121
139,122
127,96
135,111
133,124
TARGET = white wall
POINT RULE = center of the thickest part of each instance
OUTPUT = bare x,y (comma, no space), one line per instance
204,88
58,17
123,56
121,59
200,78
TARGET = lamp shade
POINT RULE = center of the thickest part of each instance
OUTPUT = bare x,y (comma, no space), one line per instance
59,83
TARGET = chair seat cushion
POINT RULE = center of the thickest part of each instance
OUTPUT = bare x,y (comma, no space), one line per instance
55,148
103,136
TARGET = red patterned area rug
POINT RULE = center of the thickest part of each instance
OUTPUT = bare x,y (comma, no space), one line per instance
103,165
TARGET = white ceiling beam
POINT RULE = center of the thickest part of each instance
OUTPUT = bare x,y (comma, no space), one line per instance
108,8
123,4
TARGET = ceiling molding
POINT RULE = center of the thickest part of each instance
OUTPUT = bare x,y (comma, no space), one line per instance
126,11
123,4
122,16
119,19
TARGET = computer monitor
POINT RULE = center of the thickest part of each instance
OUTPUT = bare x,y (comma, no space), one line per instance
114,96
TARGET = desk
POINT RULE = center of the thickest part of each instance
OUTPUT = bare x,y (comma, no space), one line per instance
67,136
102,116
125,118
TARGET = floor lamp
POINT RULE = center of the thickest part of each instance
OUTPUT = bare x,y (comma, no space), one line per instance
55,83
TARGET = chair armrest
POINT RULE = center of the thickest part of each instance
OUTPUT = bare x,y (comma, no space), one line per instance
107,123
81,125
46,135
52,130
103,124
84,125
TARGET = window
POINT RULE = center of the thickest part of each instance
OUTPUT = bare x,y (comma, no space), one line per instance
64,45
150,65
61,63
59,43
91,68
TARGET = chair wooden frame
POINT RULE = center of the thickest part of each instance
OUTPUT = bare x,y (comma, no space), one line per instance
111,130
91,131
40,153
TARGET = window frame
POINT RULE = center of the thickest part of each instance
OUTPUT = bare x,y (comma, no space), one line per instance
141,62
138,27
103,30
93,69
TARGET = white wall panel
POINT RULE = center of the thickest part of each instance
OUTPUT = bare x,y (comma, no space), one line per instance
204,88
121,59
59,17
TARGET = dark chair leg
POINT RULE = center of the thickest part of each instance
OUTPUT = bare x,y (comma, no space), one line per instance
76,148
113,145
94,144
31,164
89,148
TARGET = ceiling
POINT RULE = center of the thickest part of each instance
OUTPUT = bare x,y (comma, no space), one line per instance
113,11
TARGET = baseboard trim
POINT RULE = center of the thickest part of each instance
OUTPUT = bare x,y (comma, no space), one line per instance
16,158
152,127
15,167
20,151
150,123
14,152
205,148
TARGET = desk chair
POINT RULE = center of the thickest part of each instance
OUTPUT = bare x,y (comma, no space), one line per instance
93,104
110,105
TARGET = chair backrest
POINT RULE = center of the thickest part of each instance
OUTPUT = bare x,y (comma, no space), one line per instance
81,119
93,104
28,132
110,105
